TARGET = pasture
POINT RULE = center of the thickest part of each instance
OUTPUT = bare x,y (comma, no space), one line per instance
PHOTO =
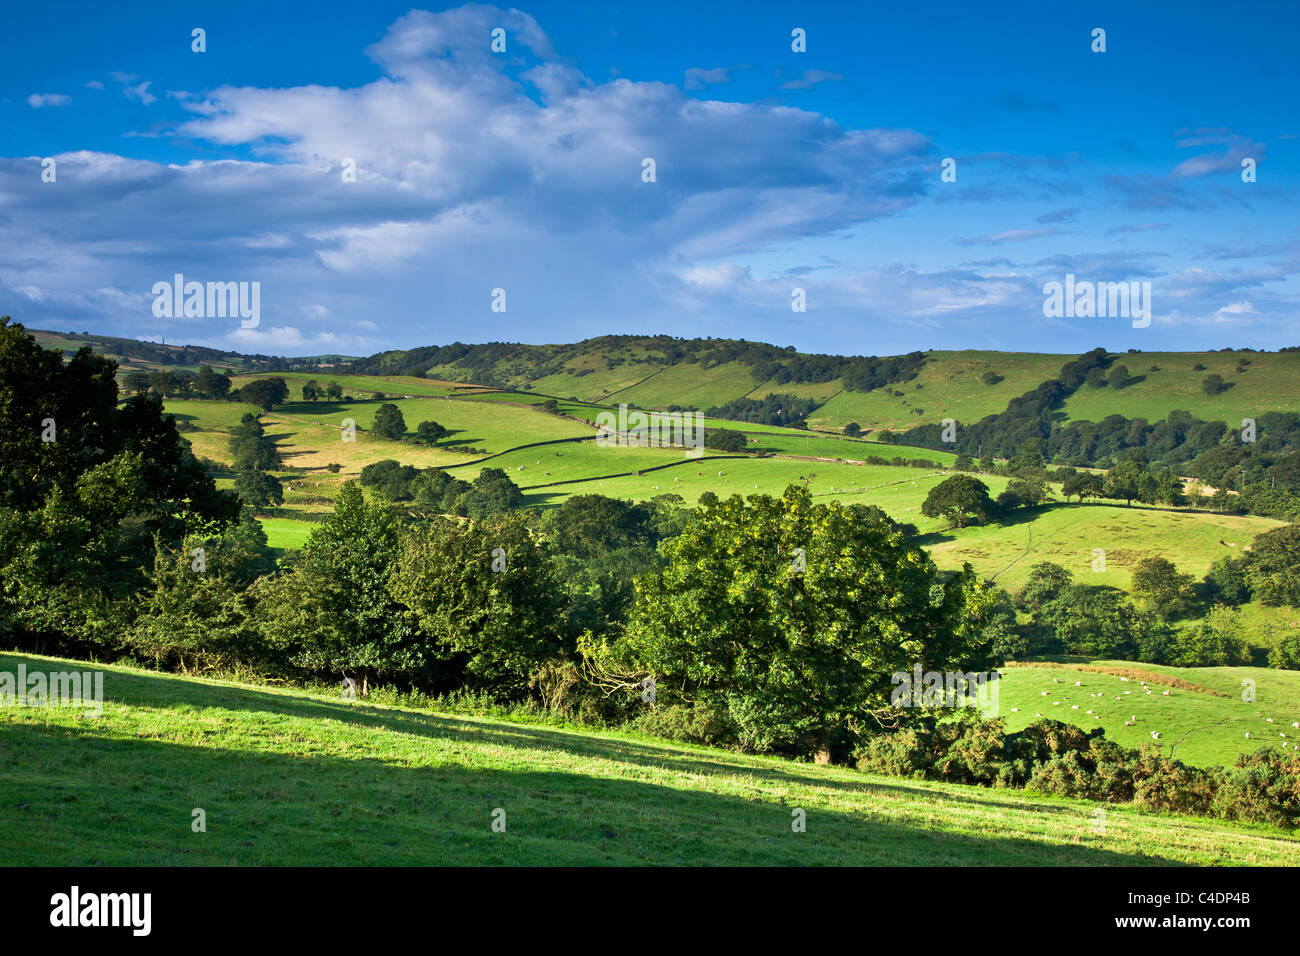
287,777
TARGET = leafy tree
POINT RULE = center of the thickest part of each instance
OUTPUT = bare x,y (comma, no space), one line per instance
990,378
389,422
390,477
258,489
250,447
1119,376
1101,622
1285,654
1096,378
435,490
1228,580
1029,490
334,392
853,429
1130,482
429,433
1161,589
1217,641
1213,384
136,382
1274,566
587,526
86,487
1084,484
1045,583
332,610
959,499
265,393
485,597
724,439
197,613
210,384
491,493
312,391
791,617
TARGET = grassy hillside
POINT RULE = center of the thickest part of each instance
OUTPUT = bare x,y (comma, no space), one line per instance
1067,534
948,386
1267,384
286,777
1202,720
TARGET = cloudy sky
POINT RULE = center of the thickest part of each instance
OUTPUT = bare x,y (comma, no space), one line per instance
774,170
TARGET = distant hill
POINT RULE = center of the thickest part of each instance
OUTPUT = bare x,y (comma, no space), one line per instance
136,354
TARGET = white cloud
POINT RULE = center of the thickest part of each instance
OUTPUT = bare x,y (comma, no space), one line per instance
38,100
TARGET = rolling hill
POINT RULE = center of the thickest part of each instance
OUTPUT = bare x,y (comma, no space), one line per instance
288,777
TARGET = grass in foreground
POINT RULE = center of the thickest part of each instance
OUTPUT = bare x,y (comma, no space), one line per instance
286,777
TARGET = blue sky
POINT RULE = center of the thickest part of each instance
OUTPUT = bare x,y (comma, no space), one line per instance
775,170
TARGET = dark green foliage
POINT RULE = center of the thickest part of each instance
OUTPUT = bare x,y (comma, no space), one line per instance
960,499
389,422
763,609
773,410
1060,759
485,597
1274,567
429,433
265,393
332,612
724,439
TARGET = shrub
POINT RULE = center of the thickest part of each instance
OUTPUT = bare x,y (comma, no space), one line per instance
1262,787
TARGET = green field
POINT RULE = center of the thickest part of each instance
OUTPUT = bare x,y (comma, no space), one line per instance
290,778
1068,535
1268,384
310,436
948,386
1195,726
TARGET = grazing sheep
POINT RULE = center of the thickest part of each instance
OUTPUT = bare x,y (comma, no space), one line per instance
1154,735
1166,693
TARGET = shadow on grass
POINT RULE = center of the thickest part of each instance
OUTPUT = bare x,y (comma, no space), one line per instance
318,799
83,799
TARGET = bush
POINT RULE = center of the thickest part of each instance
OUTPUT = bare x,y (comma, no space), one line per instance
1262,787
1063,760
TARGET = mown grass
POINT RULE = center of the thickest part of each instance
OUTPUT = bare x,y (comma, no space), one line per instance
290,778
1195,727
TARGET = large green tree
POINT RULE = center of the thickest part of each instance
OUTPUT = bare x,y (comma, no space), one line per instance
485,595
389,422
960,499
332,610
793,617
